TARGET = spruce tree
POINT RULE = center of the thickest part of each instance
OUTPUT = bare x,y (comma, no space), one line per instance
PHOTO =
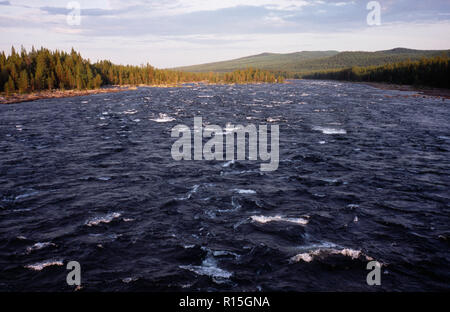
24,83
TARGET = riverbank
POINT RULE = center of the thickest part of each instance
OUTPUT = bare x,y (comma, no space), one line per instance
421,91
56,94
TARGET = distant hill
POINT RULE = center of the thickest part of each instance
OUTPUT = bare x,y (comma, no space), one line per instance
267,61
310,61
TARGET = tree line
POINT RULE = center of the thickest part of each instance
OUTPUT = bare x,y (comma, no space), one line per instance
432,72
43,69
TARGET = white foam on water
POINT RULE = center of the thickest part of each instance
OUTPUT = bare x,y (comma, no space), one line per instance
281,102
228,163
42,265
329,180
22,196
103,219
326,130
38,246
306,257
22,210
224,253
352,206
278,218
241,191
129,279
326,249
209,268
130,112
163,118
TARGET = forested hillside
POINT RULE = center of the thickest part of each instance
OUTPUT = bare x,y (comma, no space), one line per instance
266,61
294,65
434,72
362,59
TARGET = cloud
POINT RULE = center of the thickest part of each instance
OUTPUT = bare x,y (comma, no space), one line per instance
83,12
207,30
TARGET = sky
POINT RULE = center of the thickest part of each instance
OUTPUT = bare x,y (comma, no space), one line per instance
169,33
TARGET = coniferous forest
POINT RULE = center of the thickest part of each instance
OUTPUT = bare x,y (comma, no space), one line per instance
431,72
42,69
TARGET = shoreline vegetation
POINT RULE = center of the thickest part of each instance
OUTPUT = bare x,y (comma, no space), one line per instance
426,73
419,90
41,71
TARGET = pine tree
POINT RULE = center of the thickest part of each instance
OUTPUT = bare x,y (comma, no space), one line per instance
9,86
51,81
24,83
97,81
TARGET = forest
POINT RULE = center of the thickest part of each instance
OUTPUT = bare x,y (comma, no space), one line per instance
42,69
296,64
431,72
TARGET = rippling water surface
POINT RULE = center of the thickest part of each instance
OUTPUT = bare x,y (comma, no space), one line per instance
363,174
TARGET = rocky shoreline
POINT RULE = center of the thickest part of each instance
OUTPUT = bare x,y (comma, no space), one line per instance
55,94
421,91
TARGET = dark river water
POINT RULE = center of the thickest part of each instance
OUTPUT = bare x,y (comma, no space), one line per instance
364,174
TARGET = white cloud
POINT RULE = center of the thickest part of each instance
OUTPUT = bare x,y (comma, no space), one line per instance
170,33
174,7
